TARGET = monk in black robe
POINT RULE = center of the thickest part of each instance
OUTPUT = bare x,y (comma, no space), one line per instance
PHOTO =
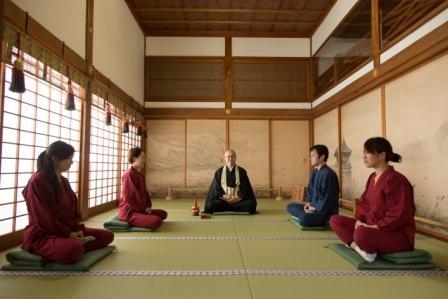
230,189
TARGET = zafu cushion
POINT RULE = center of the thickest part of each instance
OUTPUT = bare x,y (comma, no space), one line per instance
231,213
295,221
21,260
414,263
116,225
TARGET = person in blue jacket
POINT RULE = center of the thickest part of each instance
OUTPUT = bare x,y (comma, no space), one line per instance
322,197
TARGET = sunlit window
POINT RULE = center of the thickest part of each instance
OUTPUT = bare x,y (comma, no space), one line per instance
106,146
31,121
104,150
129,140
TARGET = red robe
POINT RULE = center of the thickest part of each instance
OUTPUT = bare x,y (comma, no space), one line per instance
389,204
49,215
134,197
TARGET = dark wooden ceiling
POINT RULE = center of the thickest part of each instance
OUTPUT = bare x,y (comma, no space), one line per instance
254,18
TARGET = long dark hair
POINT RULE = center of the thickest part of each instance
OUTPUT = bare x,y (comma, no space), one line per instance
378,145
59,150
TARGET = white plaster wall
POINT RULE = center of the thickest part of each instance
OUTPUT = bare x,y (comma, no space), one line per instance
417,127
360,120
215,46
326,132
65,19
271,47
185,46
118,46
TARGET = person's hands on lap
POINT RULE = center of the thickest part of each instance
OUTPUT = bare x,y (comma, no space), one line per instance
309,209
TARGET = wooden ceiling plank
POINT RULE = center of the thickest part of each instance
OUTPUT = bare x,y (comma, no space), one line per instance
249,22
229,10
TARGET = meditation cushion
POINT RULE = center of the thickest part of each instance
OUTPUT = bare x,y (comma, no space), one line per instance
231,213
116,225
417,259
21,260
415,256
295,221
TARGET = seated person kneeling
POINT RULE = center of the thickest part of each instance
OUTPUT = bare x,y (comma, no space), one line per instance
384,219
135,206
322,194
230,189
54,231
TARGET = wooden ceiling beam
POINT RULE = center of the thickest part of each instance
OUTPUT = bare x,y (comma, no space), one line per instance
208,22
227,10
227,33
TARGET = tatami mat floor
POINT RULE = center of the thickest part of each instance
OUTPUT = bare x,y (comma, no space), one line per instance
259,256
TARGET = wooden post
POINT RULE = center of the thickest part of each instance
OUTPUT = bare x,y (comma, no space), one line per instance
169,194
280,195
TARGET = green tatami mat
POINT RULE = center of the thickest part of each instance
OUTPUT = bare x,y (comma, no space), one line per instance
128,287
349,287
173,255
437,248
241,257
278,228
295,254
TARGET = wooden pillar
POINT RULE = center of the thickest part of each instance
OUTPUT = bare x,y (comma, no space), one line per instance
89,37
84,159
2,5
340,150
228,91
375,36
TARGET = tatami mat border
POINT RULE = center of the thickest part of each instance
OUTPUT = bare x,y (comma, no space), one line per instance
300,238
236,219
212,238
236,272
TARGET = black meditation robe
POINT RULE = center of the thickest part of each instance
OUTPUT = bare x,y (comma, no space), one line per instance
215,203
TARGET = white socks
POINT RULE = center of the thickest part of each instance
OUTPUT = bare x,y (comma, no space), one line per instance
369,257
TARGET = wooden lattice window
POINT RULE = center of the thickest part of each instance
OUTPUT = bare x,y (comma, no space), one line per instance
398,17
171,80
103,158
108,146
348,48
284,80
30,122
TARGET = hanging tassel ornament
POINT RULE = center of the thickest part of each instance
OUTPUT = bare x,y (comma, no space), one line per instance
125,126
108,116
17,76
70,101
139,129
144,134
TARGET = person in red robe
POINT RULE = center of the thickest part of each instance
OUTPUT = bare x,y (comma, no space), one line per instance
135,206
54,231
384,217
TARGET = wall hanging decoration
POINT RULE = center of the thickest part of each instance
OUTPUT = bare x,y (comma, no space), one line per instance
70,100
107,114
125,126
139,129
17,77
